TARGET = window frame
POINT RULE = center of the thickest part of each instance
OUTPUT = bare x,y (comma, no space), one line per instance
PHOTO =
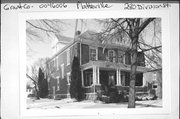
114,54
85,79
119,56
93,48
123,74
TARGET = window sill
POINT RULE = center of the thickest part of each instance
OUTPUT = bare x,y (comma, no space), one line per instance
88,86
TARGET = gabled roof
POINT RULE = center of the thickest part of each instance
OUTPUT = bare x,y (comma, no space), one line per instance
90,35
111,39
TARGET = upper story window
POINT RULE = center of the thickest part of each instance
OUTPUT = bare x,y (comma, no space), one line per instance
62,71
92,54
111,55
52,66
121,56
127,58
68,56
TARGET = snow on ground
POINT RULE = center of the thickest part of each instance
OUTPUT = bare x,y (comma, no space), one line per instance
87,104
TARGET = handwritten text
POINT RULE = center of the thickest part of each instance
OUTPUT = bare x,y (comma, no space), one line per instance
81,5
19,6
133,6
53,5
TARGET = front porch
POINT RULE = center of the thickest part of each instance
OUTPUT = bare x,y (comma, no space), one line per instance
107,76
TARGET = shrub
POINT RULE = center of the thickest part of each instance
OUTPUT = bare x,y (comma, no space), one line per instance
76,90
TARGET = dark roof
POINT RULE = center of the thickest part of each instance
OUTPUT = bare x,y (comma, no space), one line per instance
95,37
63,39
90,35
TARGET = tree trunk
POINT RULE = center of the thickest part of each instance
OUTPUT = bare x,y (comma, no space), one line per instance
132,93
37,92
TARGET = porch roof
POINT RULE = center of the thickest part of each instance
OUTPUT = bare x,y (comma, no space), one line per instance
112,65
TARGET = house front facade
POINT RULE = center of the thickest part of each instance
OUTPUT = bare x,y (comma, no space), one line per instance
102,66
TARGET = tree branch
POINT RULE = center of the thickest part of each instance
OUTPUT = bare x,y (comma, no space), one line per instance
50,26
31,78
40,27
144,24
144,50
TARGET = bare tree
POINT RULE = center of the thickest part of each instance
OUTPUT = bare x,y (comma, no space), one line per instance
132,32
41,30
33,76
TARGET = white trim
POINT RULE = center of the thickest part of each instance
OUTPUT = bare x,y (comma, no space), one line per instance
98,75
91,93
62,71
68,74
68,55
58,87
117,76
95,48
94,74
82,78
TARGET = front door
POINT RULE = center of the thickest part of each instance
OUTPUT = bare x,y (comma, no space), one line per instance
111,81
107,80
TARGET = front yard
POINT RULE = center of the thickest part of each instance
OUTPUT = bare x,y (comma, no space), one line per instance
86,104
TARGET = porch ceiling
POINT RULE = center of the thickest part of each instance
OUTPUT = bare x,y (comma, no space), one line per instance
112,65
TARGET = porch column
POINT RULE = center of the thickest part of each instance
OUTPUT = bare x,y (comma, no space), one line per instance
94,75
97,75
82,77
118,75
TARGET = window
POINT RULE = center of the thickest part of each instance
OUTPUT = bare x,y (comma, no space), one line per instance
93,54
120,56
127,58
139,79
68,78
52,63
62,71
111,55
57,82
125,79
112,80
68,57
154,86
88,79
154,76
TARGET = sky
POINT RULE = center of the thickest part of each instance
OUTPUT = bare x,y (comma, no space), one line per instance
44,49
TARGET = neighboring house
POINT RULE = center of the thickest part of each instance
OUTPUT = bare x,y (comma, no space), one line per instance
101,65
